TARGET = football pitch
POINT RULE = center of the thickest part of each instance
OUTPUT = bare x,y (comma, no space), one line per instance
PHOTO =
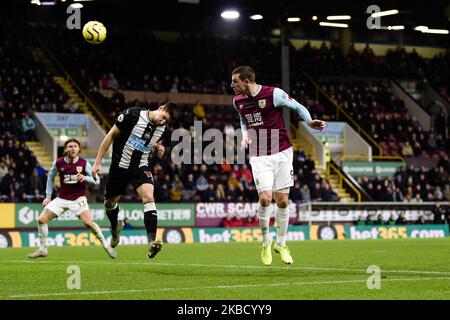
410,269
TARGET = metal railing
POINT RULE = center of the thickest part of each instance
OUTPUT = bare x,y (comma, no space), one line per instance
343,115
332,169
363,157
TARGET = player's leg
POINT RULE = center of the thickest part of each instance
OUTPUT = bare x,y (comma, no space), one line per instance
45,217
282,219
112,212
115,186
284,180
145,191
282,215
86,218
265,199
263,175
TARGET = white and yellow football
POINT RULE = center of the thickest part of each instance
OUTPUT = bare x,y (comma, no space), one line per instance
94,32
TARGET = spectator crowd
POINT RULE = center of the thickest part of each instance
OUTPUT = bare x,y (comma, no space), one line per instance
194,63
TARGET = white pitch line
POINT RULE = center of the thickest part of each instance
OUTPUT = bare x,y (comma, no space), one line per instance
218,287
223,266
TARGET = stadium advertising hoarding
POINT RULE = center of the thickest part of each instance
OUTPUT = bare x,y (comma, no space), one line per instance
396,232
71,125
175,235
371,169
211,214
343,215
6,215
208,235
77,238
180,214
62,238
295,233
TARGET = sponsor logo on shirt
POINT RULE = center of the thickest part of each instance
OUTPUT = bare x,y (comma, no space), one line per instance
137,143
254,119
70,179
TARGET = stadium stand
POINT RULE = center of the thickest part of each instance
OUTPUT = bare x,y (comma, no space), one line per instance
31,87
25,87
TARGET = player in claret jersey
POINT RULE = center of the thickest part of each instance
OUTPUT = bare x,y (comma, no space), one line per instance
74,173
271,154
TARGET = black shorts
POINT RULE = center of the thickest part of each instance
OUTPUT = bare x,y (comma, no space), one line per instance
118,180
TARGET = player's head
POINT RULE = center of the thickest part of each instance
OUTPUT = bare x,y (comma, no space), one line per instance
72,148
165,113
241,79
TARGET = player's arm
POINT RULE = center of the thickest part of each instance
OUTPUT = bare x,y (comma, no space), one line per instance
104,146
88,177
50,180
159,148
245,139
282,99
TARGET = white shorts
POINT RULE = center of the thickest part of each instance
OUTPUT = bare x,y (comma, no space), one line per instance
59,206
274,172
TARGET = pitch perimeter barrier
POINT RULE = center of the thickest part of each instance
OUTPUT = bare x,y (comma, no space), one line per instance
75,238
211,214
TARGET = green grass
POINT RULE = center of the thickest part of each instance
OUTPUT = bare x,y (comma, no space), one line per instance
321,270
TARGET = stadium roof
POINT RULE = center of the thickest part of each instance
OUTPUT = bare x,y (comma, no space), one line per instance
204,15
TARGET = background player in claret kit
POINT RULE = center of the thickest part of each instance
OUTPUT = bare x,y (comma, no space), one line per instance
135,134
74,173
261,119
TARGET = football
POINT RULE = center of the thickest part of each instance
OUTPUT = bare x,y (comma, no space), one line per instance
94,32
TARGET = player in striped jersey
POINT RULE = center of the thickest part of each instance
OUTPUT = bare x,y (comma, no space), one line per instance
136,136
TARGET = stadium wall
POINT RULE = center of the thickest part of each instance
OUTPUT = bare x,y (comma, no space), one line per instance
46,138
318,146
413,107
379,49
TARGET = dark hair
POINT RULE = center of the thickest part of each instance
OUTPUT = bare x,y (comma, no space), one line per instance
69,141
171,108
245,73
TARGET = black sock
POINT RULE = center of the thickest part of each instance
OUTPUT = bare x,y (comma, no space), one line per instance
151,222
112,216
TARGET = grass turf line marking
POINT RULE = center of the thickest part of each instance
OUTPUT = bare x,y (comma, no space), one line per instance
224,266
217,287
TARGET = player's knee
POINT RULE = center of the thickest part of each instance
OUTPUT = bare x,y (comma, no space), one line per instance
282,203
265,199
42,220
88,225
110,203
147,197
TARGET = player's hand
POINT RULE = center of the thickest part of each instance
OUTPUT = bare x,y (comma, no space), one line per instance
46,201
246,141
96,168
160,149
81,177
317,124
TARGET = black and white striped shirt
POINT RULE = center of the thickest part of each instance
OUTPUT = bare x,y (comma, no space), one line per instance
133,146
